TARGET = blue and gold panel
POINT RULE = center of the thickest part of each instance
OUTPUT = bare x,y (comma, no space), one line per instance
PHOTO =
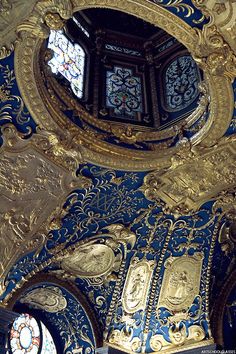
56,316
12,107
186,10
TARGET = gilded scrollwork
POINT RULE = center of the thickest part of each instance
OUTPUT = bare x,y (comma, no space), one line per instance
33,183
125,339
223,15
12,13
46,14
47,298
185,184
12,108
178,336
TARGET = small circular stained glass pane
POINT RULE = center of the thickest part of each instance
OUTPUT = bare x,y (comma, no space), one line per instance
25,335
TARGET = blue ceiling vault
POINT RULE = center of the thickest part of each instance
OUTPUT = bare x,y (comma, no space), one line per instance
115,198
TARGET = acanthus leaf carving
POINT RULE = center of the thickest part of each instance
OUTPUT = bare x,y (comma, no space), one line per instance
216,51
46,14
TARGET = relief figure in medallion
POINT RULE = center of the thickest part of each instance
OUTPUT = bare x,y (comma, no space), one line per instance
89,261
179,287
135,289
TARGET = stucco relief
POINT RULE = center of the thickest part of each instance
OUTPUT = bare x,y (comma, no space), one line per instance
89,261
48,298
33,183
12,13
181,282
137,285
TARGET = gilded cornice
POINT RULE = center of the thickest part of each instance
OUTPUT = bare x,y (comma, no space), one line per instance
218,72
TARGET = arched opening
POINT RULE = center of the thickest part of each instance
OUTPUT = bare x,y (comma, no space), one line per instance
28,335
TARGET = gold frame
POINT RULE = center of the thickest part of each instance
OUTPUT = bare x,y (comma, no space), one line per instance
97,151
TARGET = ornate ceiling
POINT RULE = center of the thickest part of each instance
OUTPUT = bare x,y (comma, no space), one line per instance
104,241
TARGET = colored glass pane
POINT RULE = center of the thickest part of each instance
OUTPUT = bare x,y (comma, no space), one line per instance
48,346
181,83
123,92
68,60
25,335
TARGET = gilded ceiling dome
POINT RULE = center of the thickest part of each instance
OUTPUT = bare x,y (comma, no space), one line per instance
117,176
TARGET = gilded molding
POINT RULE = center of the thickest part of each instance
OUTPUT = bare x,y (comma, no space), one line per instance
95,150
35,180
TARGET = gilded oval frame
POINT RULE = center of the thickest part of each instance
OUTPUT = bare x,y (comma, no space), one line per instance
97,151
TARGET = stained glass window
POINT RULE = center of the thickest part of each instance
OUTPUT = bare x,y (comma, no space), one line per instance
48,346
30,337
181,83
123,92
25,335
68,60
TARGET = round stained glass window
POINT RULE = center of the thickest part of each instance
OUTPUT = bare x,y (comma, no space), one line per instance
25,335
30,337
